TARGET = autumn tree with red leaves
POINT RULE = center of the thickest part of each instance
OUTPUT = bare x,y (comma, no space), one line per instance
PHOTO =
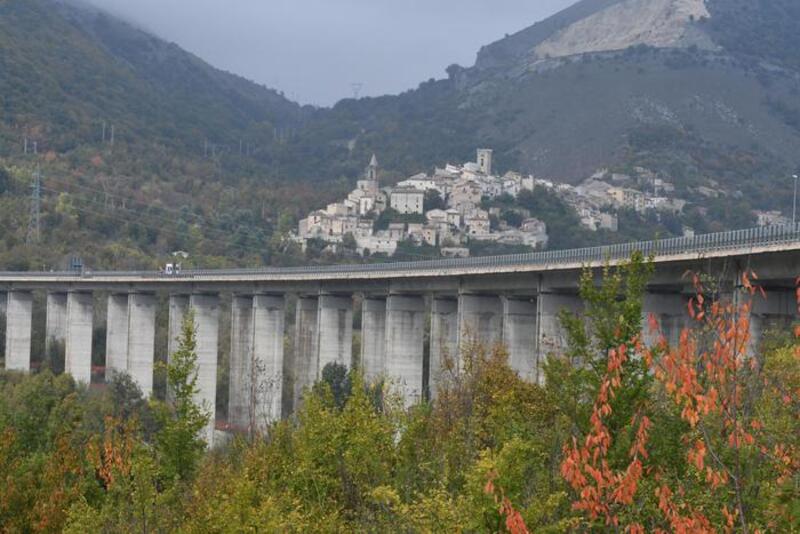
739,470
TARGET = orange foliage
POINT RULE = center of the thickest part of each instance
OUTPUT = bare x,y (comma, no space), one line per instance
58,486
112,456
514,522
602,490
706,376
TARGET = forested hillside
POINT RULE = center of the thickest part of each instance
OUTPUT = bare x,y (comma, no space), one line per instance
144,149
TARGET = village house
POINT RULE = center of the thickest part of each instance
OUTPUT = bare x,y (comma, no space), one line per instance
408,200
478,223
628,198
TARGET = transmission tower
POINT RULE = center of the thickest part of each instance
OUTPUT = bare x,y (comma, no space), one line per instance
36,203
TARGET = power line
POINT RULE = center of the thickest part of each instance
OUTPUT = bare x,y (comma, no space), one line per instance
202,221
169,223
152,227
34,220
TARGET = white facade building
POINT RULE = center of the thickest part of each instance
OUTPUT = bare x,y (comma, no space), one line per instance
408,200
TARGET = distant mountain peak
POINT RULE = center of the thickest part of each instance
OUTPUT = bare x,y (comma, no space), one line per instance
591,26
656,23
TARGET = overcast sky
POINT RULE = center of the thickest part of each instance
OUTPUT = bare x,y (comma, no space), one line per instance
314,50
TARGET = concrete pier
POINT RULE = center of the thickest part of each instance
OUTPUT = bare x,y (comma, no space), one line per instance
116,335
373,338
241,362
3,310
269,318
55,323
19,313
178,305
306,358
335,331
444,339
778,311
405,340
206,316
671,313
519,337
551,337
480,319
142,340
78,350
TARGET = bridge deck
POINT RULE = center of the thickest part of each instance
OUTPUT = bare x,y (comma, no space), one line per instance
754,241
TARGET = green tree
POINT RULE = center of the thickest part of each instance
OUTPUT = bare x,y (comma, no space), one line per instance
178,443
433,201
5,181
612,318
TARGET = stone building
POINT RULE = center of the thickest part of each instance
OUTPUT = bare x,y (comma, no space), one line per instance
408,200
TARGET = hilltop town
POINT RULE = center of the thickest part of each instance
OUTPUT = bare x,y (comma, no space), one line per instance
455,206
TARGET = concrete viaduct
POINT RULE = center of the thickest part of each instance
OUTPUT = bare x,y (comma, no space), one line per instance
511,299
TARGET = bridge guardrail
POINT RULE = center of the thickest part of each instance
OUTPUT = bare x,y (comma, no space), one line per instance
721,241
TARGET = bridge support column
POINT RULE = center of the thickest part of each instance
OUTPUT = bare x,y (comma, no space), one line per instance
519,336
141,340
306,358
405,345
78,349
116,335
19,313
56,324
335,331
3,310
206,310
671,313
777,311
480,320
269,318
551,337
241,362
178,305
444,339
373,338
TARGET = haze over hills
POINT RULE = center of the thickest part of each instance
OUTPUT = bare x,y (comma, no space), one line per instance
699,92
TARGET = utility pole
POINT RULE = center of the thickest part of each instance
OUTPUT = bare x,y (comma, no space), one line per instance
35,210
104,132
25,150
794,205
